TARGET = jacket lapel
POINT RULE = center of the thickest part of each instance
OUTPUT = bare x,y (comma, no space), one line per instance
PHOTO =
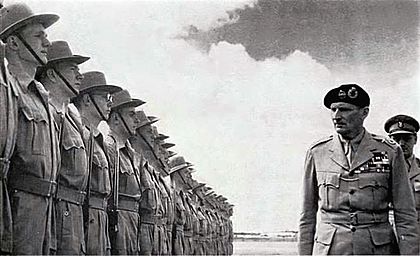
337,153
364,151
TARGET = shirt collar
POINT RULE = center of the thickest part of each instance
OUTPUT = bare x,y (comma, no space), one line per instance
355,142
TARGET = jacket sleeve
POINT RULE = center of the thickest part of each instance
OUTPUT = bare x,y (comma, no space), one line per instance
309,209
404,207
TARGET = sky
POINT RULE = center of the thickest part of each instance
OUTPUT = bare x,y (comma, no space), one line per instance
238,85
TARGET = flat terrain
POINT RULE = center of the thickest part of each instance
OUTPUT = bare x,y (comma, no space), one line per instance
264,248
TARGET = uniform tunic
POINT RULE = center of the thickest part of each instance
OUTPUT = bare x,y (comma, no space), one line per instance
33,171
72,182
178,234
96,224
353,200
413,165
8,132
126,240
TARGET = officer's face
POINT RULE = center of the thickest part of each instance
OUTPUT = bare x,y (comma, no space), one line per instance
35,36
70,71
406,141
347,118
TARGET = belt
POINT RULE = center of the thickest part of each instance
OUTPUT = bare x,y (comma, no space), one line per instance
158,220
128,204
4,168
98,202
70,195
179,228
354,218
34,185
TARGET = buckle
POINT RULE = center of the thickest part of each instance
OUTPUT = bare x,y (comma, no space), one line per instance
353,218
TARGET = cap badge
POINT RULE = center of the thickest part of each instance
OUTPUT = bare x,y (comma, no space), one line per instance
400,125
352,93
341,94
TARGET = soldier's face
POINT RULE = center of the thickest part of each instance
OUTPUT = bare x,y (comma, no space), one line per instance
35,36
347,118
130,117
104,101
406,141
70,71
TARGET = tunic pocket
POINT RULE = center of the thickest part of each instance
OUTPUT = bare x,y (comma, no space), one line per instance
373,194
39,130
323,240
329,189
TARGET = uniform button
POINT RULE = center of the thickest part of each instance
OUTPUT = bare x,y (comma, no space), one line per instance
66,213
353,229
351,192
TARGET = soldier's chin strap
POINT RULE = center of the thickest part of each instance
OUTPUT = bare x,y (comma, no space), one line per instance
97,108
125,124
29,48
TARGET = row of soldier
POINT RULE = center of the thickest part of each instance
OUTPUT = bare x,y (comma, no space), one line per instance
67,188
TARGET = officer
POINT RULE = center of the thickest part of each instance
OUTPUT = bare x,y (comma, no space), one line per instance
124,163
351,178
61,77
94,105
33,166
403,129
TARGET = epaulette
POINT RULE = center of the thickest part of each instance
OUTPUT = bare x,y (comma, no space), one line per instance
386,140
321,141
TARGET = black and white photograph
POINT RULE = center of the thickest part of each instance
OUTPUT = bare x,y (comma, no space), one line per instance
209,127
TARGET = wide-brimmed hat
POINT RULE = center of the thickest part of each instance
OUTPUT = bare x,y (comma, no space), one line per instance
18,15
167,145
58,52
171,153
143,119
162,137
122,99
199,185
95,81
178,163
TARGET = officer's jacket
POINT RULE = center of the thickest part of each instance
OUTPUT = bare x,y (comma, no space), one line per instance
357,194
36,153
74,167
414,175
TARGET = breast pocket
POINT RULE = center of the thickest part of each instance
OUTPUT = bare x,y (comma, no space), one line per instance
37,136
329,190
416,187
74,151
373,193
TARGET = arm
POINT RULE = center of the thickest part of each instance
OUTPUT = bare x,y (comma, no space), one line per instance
309,210
404,207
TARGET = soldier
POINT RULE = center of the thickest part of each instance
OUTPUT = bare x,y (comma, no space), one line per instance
125,202
149,196
403,129
35,160
61,77
94,105
351,178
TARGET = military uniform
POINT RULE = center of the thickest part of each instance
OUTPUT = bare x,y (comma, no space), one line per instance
353,199
8,132
125,241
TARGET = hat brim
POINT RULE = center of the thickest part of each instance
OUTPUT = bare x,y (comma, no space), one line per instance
178,168
401,132
45,20
103,88
147,123
128,104
74,59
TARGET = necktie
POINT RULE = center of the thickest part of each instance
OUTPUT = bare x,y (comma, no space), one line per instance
347,151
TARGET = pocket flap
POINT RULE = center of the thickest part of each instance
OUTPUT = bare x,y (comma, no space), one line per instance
373,180
325,235
33,115
332,180
72,141
381,235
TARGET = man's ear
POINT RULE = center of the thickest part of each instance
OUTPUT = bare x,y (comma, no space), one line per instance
51,75
365,111
12,43
86,100
415,138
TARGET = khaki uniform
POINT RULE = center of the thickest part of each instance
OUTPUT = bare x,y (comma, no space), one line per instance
98,242
32,174
353,200
170,209
72,182
8,133
188,228
179,222
202,232
125,241
414,176
159,218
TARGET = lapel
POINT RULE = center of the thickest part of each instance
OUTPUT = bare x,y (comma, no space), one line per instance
414,169
337,153
364,151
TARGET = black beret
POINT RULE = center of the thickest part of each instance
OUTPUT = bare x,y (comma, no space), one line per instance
401,124
349,93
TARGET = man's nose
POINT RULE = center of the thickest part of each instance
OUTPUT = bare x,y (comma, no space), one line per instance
336,114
